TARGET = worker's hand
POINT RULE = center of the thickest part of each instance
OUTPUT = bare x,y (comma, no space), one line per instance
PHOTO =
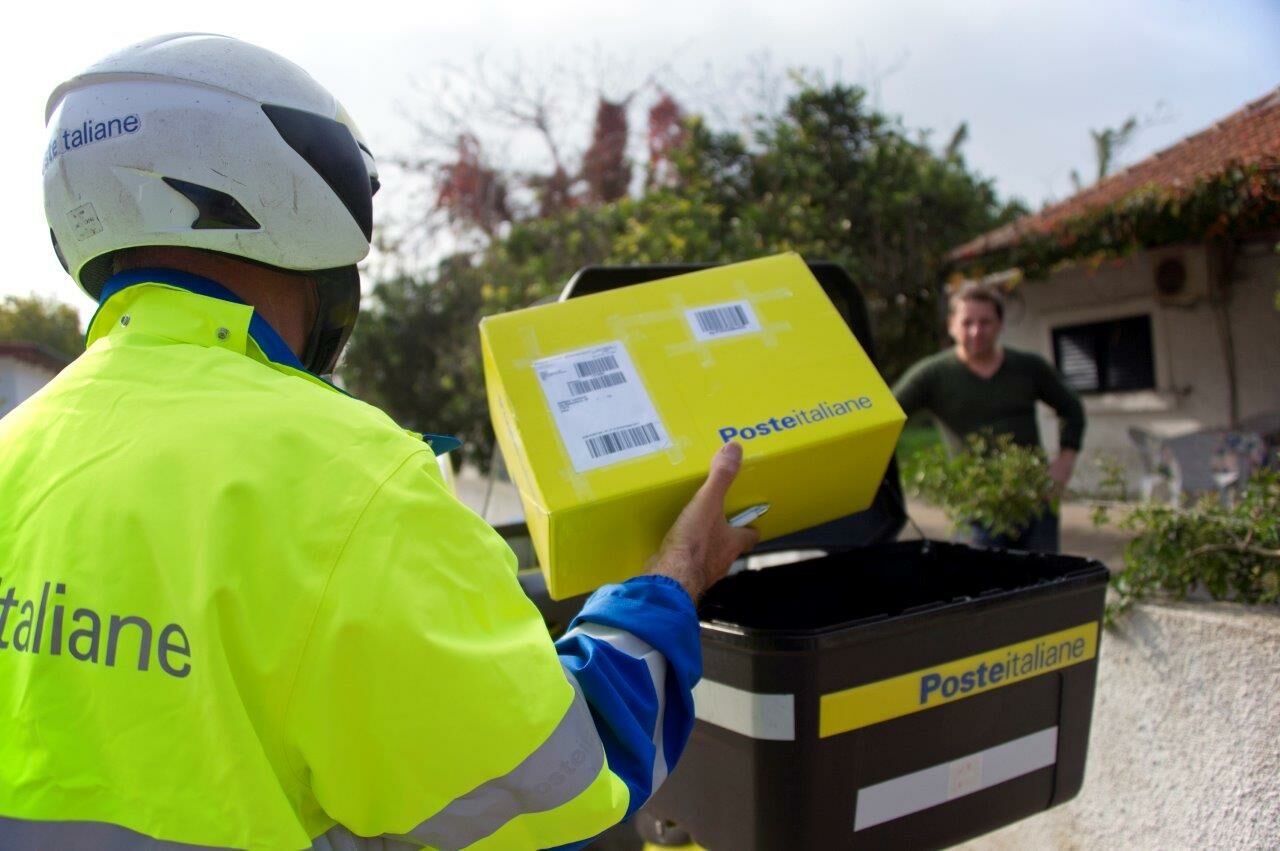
701,545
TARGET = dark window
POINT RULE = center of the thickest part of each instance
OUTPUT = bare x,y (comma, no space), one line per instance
1105,357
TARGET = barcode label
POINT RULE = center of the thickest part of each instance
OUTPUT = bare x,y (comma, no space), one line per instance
600,406
609,379
596,366
722,320
624,438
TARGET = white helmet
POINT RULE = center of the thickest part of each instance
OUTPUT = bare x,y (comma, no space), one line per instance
202,141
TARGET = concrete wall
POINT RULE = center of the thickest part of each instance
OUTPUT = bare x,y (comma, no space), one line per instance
1184,750
18,380
1190,365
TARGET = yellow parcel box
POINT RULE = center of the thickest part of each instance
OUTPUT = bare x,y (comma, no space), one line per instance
609,408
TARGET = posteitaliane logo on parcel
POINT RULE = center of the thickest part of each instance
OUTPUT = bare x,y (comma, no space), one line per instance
862,706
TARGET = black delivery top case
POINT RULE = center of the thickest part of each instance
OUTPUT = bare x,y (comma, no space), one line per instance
887,694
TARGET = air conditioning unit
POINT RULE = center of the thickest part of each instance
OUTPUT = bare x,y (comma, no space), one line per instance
1180,278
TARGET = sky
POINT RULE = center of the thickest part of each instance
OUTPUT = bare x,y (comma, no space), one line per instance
1030,78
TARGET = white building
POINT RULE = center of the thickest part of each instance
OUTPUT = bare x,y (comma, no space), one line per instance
24,369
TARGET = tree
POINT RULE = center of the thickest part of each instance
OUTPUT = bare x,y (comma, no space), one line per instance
472,194
415,351
958,138
46,321
412,354
1110,142
492,148
833,180
825,176
605,167
665,136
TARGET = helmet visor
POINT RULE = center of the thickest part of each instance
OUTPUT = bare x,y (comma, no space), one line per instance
339,297
329,147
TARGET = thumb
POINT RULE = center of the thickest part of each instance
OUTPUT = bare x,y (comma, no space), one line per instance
724,469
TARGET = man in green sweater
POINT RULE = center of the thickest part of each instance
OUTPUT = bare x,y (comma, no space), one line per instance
982,386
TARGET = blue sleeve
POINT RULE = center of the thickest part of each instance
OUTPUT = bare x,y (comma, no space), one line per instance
635,653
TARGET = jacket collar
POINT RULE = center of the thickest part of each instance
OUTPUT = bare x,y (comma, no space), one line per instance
191,309
248,324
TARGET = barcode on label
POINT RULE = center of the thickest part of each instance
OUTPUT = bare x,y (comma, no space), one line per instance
612,442
721,320
609,379
596,366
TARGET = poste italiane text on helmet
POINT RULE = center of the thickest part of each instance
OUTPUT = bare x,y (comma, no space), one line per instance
203,141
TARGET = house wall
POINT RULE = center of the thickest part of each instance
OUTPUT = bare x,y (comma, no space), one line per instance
18,380
1191,390
1255,320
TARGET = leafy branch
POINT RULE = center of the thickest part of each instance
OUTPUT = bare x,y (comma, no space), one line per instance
1240,200
992,482
1229,549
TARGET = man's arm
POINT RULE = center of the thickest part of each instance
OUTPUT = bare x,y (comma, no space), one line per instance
634,649
1061,469
912,390
1066,403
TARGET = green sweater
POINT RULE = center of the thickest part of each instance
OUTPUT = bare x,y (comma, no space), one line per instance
1005,403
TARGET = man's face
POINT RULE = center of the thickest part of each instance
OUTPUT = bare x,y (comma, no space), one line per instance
975,326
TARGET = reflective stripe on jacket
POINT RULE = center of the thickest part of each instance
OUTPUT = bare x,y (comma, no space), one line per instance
239,608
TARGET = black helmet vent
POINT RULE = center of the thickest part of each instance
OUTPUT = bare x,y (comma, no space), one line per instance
217,210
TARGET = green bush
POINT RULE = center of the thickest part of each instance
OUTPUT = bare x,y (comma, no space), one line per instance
1229,548
992,481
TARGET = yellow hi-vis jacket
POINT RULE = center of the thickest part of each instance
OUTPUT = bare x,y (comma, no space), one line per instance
240,609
